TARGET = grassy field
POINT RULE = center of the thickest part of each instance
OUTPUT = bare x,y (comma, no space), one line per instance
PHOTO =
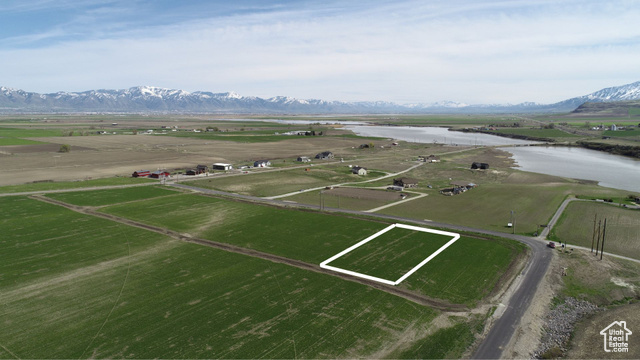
64,185
282,182
99,289
8,141
623,227
338,202
8,132
489,206
392,254
314,237
112,196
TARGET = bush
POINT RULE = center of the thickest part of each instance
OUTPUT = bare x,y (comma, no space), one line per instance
65,148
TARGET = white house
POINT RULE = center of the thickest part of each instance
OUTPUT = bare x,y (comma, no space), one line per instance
262,163
359,170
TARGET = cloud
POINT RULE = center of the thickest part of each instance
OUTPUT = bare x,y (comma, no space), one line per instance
406,51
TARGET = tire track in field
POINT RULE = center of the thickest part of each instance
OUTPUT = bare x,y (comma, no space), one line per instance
401,292
9,351
115,303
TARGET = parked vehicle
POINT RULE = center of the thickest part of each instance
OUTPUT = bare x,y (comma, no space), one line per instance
551,244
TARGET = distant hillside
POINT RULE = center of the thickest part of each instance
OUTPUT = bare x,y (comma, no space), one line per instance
146,99
614,108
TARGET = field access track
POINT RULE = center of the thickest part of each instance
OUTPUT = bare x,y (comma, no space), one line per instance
409,295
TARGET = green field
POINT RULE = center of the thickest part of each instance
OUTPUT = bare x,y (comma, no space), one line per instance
339,202
112,196
314,237
77,286
8,132
489,206
392,254
65,185
7,141
622,133
623,227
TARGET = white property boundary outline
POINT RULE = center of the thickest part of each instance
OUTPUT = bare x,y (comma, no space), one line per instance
324,265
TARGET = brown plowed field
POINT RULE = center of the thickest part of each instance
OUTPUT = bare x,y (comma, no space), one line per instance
123,154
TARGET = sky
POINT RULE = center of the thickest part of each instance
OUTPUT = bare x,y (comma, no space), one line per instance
404,51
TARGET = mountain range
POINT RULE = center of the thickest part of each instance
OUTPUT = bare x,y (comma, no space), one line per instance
143,99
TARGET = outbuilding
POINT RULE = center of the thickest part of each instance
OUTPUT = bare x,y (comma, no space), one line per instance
303,159
222,166
141,173
479,165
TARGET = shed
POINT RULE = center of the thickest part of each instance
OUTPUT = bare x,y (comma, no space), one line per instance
405,182
325,155
222,166
141,173
303,159
359,170
261,163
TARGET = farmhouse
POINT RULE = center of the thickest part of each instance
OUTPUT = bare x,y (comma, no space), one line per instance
303,159
359,170
141,173
478,165
405,182
432,159
464,184
262,163
458,188
325,155
160,174
221,166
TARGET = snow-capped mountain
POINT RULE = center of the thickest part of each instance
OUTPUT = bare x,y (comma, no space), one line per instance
155,99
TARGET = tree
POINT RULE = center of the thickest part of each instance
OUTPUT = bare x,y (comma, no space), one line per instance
65,148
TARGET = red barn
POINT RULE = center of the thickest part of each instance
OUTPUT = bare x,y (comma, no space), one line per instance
159,174
141,173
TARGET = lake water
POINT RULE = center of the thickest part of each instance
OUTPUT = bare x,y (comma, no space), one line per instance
609,170
434,135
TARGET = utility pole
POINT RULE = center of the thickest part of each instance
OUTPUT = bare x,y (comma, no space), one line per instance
593,237
513,221
603,233
598,243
